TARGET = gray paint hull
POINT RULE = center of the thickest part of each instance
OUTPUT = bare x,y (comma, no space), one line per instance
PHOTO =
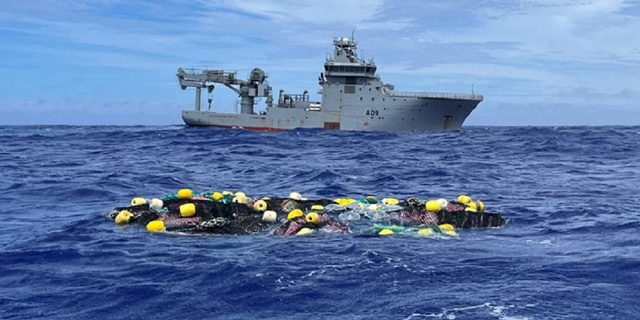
416,114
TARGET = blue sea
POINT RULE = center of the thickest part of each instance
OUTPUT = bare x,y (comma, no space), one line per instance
570,250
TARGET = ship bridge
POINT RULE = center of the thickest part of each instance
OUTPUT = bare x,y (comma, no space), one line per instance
345,61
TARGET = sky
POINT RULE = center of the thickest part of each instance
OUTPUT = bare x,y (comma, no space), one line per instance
113,62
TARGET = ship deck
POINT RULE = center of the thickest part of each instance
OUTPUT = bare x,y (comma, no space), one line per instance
437,95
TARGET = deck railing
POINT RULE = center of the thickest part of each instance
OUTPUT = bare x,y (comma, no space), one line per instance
437,95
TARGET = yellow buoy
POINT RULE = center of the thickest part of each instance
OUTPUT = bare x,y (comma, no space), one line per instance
266,198
448,229
446,226
464,199
452,233
185,194
433,206
472,205
217,196
295,213
391,201
312,217
470,209
123,217
480,205
260,205
385,232
269,216
240,194
345,201
188,210
425,232
304,231
155,226
138,201
317,207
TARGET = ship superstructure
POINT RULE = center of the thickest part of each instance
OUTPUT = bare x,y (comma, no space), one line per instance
353,98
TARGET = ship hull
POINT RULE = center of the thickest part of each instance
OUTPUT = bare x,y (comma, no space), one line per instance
395,115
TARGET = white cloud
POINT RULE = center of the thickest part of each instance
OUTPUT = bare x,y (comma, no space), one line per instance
316,12
588,31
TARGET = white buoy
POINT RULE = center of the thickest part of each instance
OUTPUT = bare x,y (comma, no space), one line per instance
269,216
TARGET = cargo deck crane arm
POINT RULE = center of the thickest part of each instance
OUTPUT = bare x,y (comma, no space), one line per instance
247,90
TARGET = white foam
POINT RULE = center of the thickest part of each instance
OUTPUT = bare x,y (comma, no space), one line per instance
453,313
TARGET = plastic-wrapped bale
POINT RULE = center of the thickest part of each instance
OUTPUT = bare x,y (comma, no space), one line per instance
324,222
471,219
209,216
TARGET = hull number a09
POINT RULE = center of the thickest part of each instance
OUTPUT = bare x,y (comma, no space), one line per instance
372,113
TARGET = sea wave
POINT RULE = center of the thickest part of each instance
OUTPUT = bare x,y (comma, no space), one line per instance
567,252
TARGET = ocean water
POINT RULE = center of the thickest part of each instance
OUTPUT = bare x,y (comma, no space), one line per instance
571,248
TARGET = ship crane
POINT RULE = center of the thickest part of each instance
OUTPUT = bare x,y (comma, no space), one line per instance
247,90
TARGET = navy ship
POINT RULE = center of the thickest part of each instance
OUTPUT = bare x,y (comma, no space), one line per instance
353,98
